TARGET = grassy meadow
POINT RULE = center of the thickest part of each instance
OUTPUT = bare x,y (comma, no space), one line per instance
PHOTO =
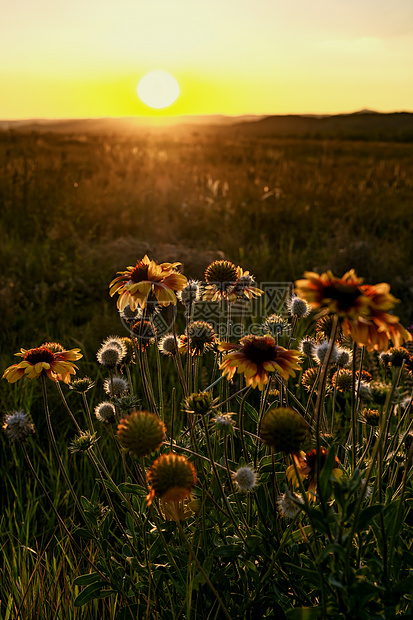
74,210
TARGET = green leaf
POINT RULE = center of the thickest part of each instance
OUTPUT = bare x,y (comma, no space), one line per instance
325,486
90,592
367,515
228,551
134,489
84,533
85,580
304,613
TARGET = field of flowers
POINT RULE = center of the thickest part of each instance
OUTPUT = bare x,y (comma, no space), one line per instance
223,428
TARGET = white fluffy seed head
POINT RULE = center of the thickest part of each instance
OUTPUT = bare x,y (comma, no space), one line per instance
17,426
344,357
105,412
110,356
115,386
307,346
246,479
320,352
287,504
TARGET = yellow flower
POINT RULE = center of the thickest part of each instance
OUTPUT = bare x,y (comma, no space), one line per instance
256,356
56,364
171,478
136,283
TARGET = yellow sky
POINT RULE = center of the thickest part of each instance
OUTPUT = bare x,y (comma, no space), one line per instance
84,58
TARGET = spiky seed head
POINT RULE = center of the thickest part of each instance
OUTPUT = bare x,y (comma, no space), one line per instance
171,478
199,403
245,479
109,356
307,346
82,442
17,426
221,271
379,391
298,307
168,345
343,380
320,352
371,416
309,378
105,412
115,386
398,355
274,325
224,423
344,357
190,294
141,433
284,429
82,385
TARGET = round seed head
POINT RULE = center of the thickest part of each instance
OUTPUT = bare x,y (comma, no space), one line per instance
171,478
283,429
298,307
245,479
141,433
115,386
105,412
17,426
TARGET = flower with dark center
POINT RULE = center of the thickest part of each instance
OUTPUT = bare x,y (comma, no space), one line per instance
365,376
57,365
135,284
168,345
141,433
171,478
306,464
370,416
244,287
221,276
398,355
255,357
17,426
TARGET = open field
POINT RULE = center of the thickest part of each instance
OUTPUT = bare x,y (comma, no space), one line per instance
74,210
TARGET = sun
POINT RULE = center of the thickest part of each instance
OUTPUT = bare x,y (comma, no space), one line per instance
158,89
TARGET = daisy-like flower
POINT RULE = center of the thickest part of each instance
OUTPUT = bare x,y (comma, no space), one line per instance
244,287
56,364
17,426
255,357
144,333
221,276
306,463
343,380
245,479
171,478
136,283
287,504
201,338
115,386
309,378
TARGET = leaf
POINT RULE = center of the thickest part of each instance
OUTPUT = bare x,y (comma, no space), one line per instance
325,486
85,580
228,551
304,613
84,533
134,489
367,515
92,591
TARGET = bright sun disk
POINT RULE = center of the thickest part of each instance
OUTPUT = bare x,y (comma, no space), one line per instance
158,89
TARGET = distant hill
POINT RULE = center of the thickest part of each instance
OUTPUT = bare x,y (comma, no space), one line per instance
361,125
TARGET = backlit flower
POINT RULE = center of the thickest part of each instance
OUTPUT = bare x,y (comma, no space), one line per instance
221,276
287,504
136,283
57,365
171,478
306,464
17,426
283,429
201,338
245,479
255,357
105,412
115,386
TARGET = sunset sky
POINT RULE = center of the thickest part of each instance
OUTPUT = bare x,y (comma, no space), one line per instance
84,58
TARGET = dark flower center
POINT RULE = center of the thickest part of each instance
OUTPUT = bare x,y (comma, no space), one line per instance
311,458
345,295
259,350
139,273
41,354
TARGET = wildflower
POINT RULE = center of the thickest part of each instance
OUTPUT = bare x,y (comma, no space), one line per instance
82,442
130,351
307,346
141,433
201,338
371,416
343,380
244,287
344,357
245,479
255,357
283,429
17,426
365,376
224,423
384,358
82,385
135,284
56,364
110,357
398,355
171,478
221,276
115,386
275,325
129,315
341,296
168,345
320,352
115,342
324,326
199,403
190,294
126,403
298,307
306,464
309,378
287,504
105,412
